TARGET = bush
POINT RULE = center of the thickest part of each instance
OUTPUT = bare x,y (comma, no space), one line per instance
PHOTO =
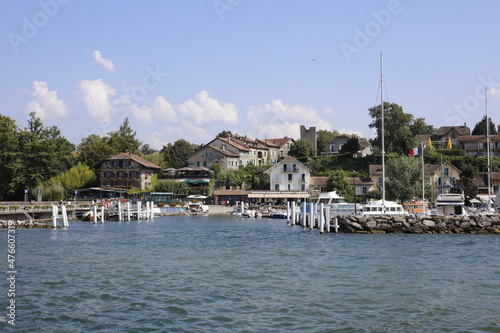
3,208
160,204
173,204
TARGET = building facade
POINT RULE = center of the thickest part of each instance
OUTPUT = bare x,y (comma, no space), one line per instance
127,171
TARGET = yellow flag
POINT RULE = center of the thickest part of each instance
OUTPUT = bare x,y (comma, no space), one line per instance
448,145
429,142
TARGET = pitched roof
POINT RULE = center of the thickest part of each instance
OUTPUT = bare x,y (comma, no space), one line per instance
133,157
375,169
359,181
319,181
233,143
288,159
224,152
477,138
276,142
461,130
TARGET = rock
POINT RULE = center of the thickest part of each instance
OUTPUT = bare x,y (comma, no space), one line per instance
356,226
441,225
429,223
492,230
464,224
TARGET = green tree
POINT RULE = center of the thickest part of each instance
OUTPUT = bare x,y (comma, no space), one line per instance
124,139
352,146
468,186
224,134
93,150
146,149
324,138
301,149
77,177
337,181
179,189
44,153
404,175
10,165
176,155
400,128
480,127
156,158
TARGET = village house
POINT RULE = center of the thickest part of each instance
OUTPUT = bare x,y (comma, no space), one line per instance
278,148
444,134
436,175
289,180
476,145
365,147
234,152
127,171
317,185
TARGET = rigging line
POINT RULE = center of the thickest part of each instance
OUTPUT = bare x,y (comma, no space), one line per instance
388,100
377,97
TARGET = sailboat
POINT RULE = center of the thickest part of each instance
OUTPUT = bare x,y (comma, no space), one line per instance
382,207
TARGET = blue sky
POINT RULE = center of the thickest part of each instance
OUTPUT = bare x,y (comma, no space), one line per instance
190,69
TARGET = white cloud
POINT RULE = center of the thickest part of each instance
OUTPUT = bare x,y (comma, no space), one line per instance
330,111
106,63
351,132
163,109
141,113
277,119
46,103
96,95
203,110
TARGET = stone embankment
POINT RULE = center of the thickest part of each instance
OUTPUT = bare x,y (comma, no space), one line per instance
470,224
24,224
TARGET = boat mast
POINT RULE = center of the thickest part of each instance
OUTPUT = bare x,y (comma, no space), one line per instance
383,134
487,143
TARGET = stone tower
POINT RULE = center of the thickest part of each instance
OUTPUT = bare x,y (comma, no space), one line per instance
309,135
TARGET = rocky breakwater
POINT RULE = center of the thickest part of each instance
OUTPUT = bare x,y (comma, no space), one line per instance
23,224
470,224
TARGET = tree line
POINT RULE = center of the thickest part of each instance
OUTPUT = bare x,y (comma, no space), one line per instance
39,157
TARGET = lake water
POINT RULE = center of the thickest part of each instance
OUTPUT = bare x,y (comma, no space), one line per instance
225,274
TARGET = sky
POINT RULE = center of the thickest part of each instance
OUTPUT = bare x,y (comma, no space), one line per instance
188,70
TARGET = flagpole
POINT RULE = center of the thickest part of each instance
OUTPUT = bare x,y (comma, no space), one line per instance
423,173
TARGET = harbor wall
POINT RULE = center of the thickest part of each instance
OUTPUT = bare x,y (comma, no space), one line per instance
470,224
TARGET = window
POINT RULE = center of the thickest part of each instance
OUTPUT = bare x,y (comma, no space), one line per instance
365,190
446,171
289,187
290,177
276,187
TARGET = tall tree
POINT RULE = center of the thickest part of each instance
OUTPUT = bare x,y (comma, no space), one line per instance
480,127
224,134
324,138
404,175
93,150
302,148
176,154
337,181
352,146
9,157
124,139
146,149
400,128
44,152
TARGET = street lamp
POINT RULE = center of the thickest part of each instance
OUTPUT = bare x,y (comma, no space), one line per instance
354,187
